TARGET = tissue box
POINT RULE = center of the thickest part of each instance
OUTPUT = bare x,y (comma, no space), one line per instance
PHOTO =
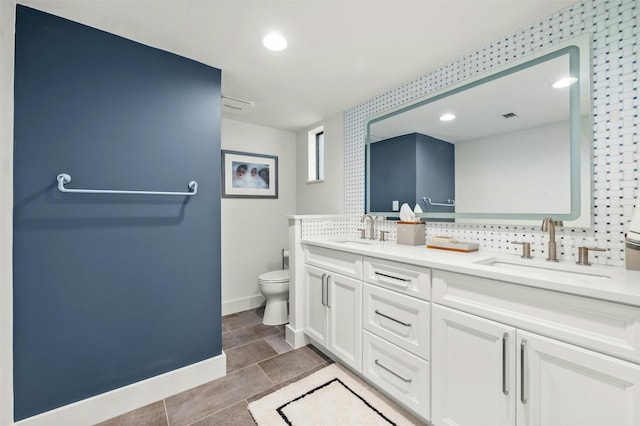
411,233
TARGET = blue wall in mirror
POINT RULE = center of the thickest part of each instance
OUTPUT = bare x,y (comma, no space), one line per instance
415,166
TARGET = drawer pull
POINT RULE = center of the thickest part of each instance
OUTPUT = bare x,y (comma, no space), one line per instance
324,290
505,336
406,324
523,346
392,372
391,276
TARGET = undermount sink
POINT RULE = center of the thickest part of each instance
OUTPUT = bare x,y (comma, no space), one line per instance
365,242
546,269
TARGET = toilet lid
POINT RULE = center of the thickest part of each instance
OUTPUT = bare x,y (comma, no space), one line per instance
279,276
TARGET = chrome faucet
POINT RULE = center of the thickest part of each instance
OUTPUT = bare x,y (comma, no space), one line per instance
548,224
371,225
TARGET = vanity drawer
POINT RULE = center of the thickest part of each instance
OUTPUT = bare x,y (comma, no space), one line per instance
400,374
402,277
606,327
402,320
342,262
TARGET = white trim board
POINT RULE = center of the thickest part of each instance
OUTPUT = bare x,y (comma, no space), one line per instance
242,304
122,400
295,338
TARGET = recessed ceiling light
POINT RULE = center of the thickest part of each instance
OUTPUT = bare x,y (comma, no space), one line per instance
564,82
275,42
447,117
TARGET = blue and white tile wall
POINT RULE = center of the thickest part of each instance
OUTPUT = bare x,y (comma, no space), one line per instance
613,25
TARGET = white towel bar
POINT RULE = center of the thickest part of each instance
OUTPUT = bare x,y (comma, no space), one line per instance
64,178
449,203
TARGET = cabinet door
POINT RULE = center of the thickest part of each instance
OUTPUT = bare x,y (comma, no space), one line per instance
345,319
562,384
472,369
315,311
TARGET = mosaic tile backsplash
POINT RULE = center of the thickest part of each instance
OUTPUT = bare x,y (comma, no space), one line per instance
613,25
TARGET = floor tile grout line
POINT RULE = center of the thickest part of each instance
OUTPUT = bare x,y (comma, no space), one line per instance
262,360
250,414
267,359
231,330
246,400
166,413
233,403
257,364
252,341
220,410
322,364
266,375
277,331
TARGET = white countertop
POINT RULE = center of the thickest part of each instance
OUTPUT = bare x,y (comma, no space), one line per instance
316,216
614,284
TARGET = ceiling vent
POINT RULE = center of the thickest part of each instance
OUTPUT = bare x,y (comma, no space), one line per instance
510,115
235,105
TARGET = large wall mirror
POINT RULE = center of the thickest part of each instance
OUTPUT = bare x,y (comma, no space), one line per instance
518,149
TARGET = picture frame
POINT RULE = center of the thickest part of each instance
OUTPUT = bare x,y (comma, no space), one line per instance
249,175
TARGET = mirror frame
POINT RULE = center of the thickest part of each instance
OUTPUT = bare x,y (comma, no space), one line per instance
580,97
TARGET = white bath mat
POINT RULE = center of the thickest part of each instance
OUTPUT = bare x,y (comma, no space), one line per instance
327,397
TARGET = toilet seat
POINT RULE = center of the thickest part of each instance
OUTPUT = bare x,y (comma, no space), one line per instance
274,277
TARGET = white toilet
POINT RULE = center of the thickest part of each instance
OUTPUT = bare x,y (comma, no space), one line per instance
274,286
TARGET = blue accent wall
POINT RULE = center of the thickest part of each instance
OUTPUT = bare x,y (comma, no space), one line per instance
110,289
435,163
394,163
410,167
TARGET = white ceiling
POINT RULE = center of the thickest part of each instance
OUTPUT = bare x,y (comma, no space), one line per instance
340,54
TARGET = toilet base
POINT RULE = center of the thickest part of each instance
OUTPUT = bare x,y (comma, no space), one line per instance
275,312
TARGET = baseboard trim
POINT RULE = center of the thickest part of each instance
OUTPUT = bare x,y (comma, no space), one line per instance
122,400
239,305
295,338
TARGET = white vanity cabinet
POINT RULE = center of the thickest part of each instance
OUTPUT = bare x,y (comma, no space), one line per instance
333,308
397,331
501,356
474,367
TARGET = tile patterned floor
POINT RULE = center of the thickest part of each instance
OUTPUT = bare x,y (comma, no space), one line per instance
259,361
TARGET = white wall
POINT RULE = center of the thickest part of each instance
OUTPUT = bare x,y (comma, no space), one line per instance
481,186
254,231
7,25
326,197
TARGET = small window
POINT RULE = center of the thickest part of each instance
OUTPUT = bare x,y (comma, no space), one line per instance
316,155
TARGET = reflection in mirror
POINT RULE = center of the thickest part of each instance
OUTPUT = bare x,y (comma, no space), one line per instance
517,150
425,166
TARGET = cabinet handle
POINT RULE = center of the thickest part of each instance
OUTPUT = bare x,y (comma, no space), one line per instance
406,324
391,276
523,345
328,295
392,372
324,289
505,336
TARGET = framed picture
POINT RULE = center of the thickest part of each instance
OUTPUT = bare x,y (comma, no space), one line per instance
246,175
